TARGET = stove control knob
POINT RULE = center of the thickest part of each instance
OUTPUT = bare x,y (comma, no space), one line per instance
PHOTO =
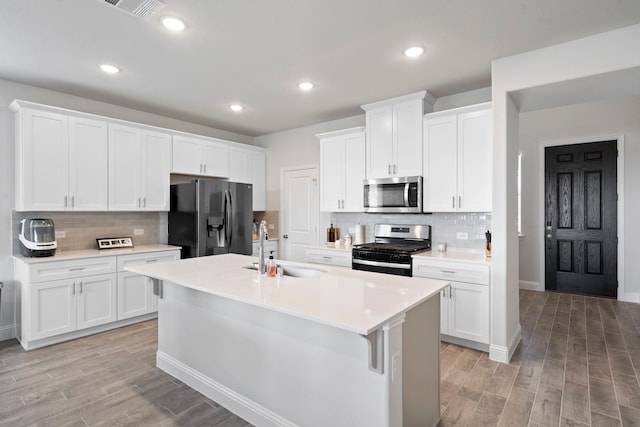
395,258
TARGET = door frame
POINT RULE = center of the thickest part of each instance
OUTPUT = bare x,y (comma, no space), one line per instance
281,224
621,294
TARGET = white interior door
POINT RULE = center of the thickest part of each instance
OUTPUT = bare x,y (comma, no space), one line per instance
299,212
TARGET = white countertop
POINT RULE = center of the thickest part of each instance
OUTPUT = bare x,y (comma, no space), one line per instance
475,258
357,301
95,253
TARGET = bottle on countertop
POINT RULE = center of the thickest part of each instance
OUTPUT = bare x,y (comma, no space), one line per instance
272,267
331,234
255,230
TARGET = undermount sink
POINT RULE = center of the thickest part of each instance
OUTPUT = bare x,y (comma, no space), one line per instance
291,271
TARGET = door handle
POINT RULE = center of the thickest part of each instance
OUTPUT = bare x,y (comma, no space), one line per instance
286,236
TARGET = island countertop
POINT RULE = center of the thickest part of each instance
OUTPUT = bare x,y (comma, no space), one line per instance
357,301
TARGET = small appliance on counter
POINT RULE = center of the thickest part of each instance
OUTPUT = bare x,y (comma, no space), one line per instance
37,237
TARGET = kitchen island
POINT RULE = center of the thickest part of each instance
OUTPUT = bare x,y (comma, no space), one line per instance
332,346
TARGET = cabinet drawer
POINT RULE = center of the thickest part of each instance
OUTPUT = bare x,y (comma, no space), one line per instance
146,258
330,257
452,271
58,270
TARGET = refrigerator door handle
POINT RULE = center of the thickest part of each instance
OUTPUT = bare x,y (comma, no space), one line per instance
229,212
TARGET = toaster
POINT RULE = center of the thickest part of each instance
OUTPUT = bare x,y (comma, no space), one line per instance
37,237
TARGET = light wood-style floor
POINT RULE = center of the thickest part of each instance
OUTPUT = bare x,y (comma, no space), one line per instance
578,365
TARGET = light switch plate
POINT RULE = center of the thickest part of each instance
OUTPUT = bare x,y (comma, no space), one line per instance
462,236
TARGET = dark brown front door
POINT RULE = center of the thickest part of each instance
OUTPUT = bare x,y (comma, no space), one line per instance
581,254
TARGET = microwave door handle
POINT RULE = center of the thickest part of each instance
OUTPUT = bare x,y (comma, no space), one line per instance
406,194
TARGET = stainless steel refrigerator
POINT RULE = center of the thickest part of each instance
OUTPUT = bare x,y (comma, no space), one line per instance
211,217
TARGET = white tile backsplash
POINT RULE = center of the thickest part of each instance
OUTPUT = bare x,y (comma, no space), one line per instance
444,227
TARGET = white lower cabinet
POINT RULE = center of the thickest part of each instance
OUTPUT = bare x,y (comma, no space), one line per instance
270,249
135,292
62,306
58,299
339,257
464,305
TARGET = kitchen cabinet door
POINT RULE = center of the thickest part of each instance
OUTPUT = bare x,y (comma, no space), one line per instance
88,165
354,172
187,155
124,168
216,159
380,153
96,300
155,170
474,161
440,187
258,170
332,169
469,312
42,160
135,296
407,123
52,309
240,165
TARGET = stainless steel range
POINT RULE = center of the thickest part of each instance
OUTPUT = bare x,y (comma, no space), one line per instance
392,249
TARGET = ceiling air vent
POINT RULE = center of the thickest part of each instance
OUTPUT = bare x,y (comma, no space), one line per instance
142,9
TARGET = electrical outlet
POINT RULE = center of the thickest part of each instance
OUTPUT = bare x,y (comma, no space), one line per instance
272,226
396,369
61,234
462,236
138,231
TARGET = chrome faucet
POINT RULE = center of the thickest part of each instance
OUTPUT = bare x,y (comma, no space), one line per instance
262,267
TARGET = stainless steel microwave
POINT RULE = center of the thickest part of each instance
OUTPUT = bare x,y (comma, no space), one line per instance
393,195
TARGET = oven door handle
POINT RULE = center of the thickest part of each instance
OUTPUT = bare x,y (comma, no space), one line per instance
382,264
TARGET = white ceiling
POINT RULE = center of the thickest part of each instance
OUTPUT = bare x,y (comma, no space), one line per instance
254,52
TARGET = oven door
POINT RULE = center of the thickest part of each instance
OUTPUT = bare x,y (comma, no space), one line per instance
393,195
367,260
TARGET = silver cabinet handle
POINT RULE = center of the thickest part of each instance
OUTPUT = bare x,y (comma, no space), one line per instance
200,167
144,202
459,201
338,203
73,288
448,271
65,201
76,269
389,169
395,169
80,287
73,201
151,260
453,202
328,258
205,168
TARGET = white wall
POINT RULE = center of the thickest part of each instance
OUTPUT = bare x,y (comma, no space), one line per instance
596,58
10,91
589,121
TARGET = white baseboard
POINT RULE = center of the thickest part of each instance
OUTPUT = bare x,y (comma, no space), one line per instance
234,402
503,354
7,332
630,297
532,286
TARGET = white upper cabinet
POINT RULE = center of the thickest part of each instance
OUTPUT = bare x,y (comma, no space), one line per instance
249,165
200,156
342,170
457,160
139,167
61,160
394,135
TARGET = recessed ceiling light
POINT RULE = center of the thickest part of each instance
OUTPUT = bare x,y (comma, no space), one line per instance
306,85
109,69
172,23
414,51
236,107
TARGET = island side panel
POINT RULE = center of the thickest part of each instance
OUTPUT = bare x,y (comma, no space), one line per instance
268,367
421,364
